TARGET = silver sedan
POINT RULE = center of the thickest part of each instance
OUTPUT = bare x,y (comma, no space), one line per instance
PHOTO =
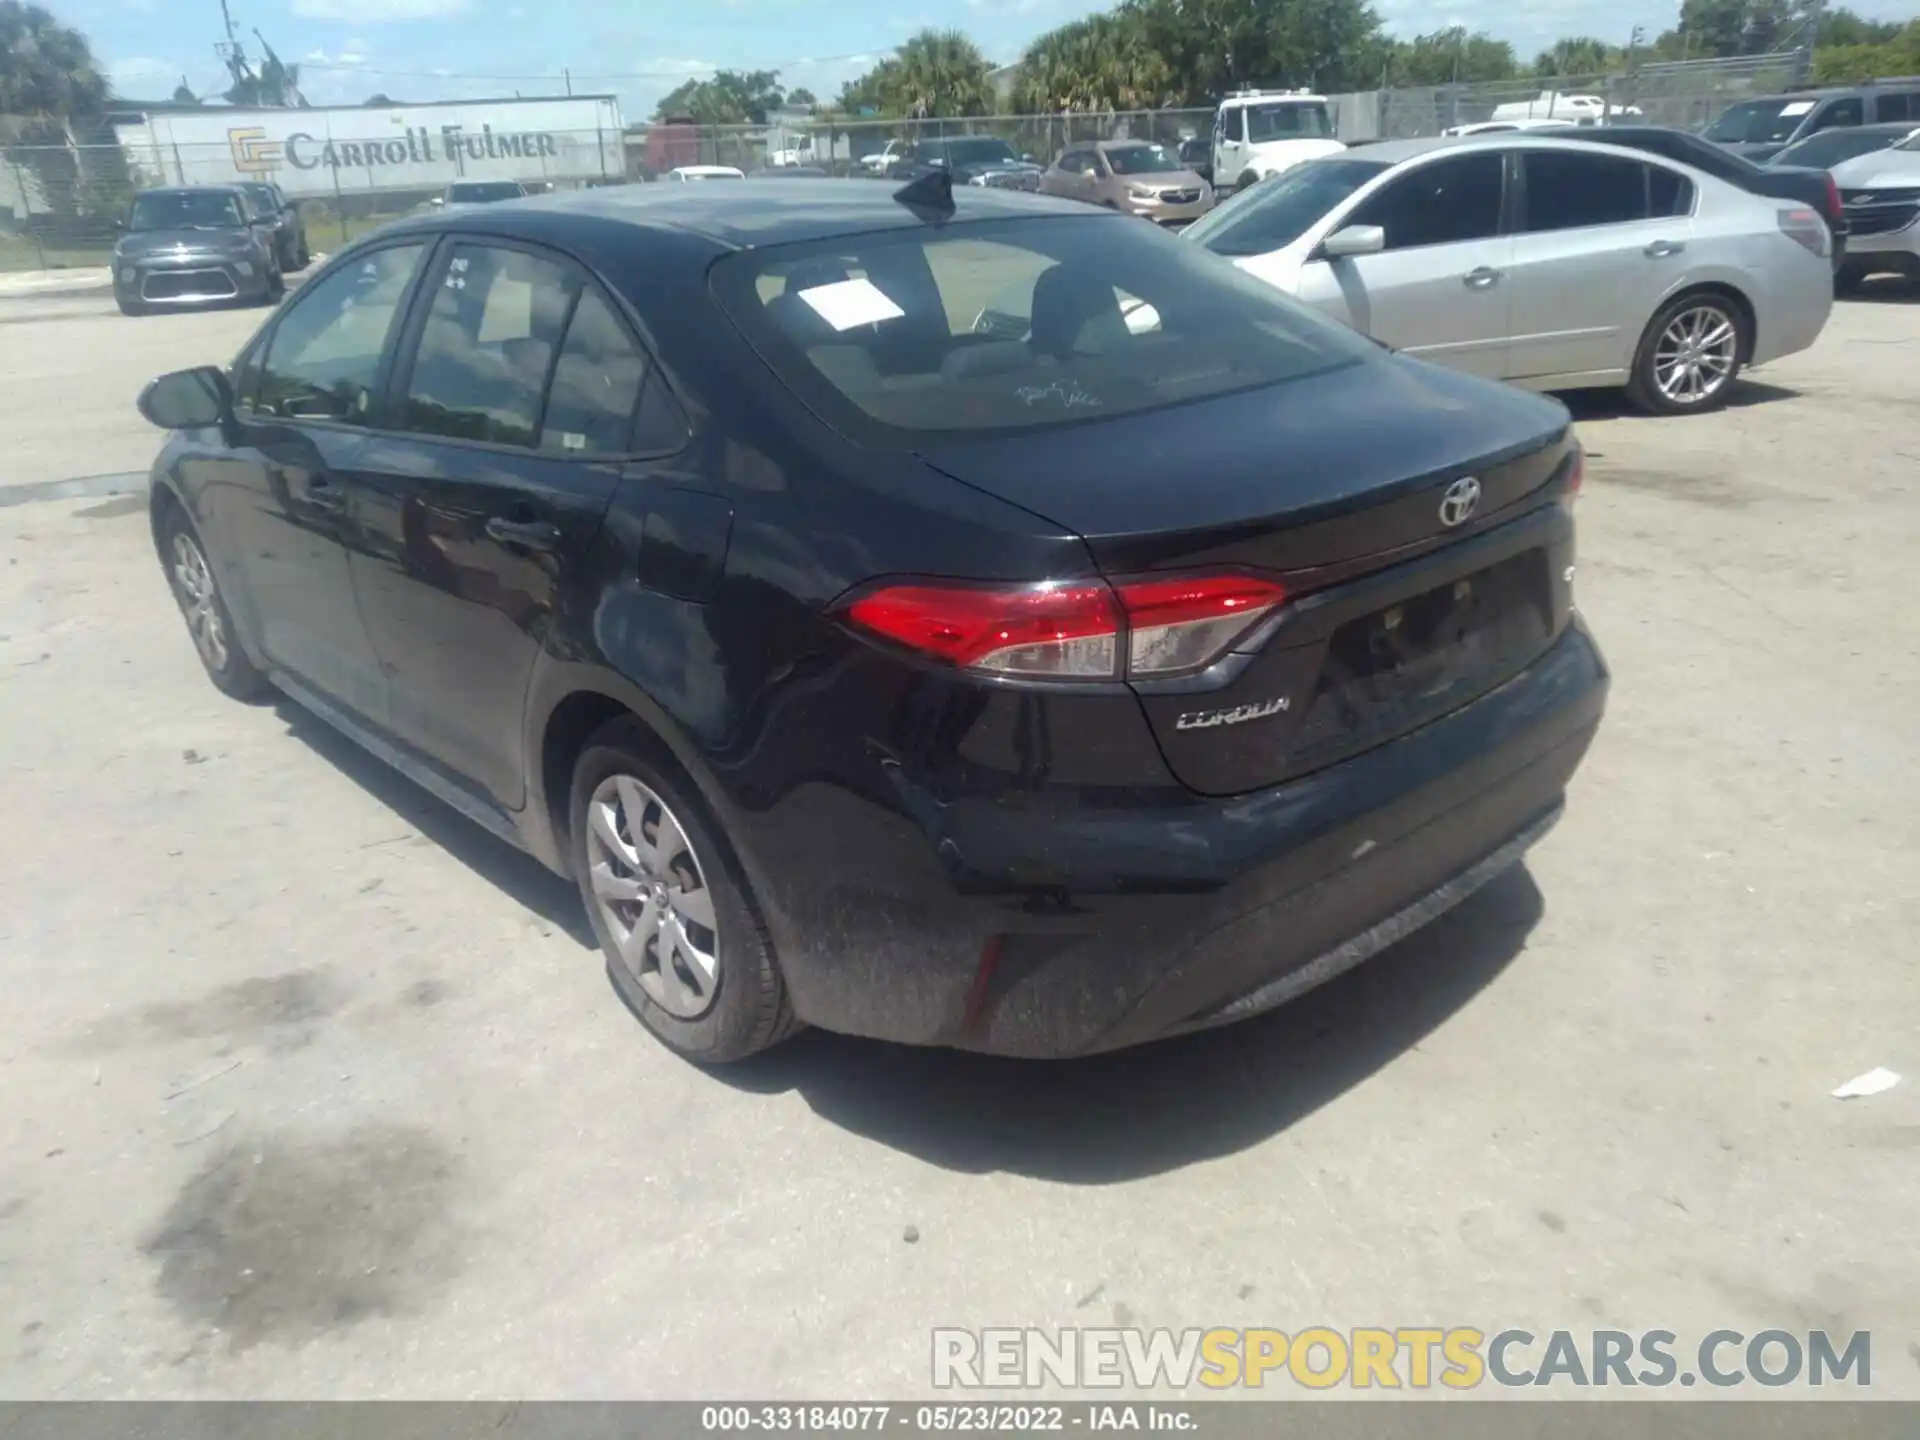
1546,262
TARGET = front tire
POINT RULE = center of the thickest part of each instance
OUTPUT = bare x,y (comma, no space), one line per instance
683,940
1689,357
1848,279
129,307
209,622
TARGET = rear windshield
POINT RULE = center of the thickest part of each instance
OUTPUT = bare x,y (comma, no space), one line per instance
983,151
967,330
1830,147
485,192
1760,122
1280,209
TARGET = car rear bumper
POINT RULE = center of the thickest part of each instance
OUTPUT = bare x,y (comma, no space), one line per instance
1045,930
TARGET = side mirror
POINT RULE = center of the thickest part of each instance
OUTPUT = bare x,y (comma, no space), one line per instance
438,200
188,399
1354,240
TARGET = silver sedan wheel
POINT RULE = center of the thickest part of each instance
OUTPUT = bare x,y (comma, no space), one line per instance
1695,355
651,890
199,601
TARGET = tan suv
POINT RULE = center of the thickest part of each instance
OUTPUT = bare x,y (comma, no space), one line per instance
1136,176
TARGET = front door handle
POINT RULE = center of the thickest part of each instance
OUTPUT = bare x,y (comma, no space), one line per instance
1661,249
321,495
523,534
1485,278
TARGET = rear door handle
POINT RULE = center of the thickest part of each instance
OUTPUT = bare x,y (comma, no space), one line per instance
1661,249
523,534
1482,279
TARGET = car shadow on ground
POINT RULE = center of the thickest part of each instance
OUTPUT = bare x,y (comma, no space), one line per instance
1614,404
1112,1118
1885,290
515,872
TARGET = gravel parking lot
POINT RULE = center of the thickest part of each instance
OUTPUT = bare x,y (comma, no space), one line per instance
313,1089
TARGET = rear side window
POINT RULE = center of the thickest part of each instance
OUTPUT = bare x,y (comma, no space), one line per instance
324,358
596,384
488,346
1566,191
1841,112
1446,202
992,327
1668,192
1893,105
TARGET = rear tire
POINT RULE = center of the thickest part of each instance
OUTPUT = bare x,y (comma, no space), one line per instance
1690,355
1848,279
1249,178
209,622
683,940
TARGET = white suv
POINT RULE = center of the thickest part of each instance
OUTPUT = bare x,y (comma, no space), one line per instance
1258,133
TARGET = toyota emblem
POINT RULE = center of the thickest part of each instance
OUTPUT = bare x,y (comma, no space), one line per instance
1459,501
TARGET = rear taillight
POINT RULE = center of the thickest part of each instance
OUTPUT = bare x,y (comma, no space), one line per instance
1836,207
1576,472
1805,227
1071,630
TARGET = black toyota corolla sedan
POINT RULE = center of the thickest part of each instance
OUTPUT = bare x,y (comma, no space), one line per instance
1037,683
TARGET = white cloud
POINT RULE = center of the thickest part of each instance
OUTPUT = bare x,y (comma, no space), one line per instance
377,12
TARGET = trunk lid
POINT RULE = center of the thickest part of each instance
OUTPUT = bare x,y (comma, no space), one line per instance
1334,484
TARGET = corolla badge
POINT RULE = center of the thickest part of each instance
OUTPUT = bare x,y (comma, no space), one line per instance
1235,715
1462,496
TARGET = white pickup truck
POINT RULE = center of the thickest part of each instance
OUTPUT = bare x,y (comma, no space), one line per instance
1258,133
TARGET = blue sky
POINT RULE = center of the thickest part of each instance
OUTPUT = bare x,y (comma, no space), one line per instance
452,49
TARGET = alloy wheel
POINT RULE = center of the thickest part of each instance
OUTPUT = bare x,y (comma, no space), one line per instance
651,891
1695,355
200,601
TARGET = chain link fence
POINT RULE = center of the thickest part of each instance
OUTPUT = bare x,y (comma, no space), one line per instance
62,205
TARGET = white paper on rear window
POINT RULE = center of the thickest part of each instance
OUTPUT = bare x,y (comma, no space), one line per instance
1798,107
847,303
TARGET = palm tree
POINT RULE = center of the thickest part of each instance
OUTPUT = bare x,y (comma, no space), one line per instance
47,70
940,73
1102,63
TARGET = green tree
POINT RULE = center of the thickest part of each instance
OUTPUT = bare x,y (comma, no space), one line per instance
47,70
872,90
1851,64
1842,27
731,97
1453,55
1576,55
941,72
1213,47
801,96
1100,63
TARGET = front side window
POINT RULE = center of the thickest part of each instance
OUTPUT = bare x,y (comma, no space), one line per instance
323,359
1444,202
1841,112
1142,160
497,319
186,210
1567,191
1288,121
991,327
1280,209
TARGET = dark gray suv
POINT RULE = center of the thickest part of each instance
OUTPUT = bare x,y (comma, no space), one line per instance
194,245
